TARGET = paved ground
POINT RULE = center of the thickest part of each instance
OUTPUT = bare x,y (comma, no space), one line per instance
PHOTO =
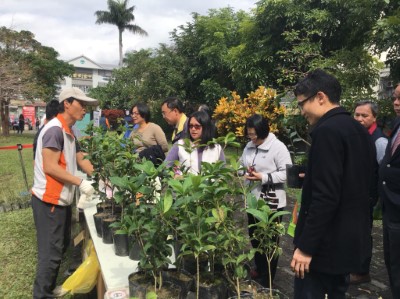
377,288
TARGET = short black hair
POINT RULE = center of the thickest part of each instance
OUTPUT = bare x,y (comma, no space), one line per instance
259,123
173,103
61,107
208,128
372,105
52,109
143,110
319,80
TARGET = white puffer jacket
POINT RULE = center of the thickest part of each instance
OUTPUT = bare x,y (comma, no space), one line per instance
269,157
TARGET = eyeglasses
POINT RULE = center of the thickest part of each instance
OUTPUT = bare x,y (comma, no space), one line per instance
251,135
163,113
83,105
135,113
395,97
197,127
300,104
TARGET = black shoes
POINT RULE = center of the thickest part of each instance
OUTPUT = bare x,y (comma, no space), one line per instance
355,278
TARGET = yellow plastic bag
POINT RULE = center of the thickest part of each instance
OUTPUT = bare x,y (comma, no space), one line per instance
84,278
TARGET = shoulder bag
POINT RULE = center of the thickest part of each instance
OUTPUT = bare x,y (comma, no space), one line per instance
269,195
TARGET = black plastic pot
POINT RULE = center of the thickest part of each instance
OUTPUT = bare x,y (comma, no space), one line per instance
121,244
97,222
181,278
189,264
216,290
104,206
244,296
292,175
134,249
107,232
276,294
247,288
117,209
139,285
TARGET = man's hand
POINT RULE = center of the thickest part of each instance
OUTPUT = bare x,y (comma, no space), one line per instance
300,263
86,188
83,201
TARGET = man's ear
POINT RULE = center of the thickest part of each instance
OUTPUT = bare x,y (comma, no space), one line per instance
322,98
66,104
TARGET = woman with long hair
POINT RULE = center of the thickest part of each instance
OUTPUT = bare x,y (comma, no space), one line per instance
21,123
201,130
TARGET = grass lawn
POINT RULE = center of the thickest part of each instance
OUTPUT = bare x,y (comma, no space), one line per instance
12,183
17,254
18,249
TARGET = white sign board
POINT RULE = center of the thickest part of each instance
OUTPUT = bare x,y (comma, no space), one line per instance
96,118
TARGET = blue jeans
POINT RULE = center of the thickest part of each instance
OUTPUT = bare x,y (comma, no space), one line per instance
315,285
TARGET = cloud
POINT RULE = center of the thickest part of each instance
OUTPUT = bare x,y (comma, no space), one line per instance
69,26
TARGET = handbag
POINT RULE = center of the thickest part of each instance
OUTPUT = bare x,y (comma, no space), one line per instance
269,195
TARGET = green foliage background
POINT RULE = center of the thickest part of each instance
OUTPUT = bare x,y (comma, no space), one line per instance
273,45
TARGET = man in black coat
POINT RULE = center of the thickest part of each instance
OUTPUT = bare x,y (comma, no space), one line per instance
333,232
389,184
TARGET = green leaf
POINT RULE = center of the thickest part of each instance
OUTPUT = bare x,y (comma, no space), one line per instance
151,295
208,247
261,216
168,200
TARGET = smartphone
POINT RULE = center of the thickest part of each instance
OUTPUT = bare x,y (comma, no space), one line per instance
250,170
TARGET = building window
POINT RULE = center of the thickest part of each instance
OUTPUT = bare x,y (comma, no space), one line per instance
84,88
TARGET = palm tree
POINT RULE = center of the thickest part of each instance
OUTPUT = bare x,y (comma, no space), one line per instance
121,15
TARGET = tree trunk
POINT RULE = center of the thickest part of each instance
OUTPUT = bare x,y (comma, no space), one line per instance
120,47
4,113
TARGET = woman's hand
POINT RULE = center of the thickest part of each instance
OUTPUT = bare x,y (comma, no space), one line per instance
254,176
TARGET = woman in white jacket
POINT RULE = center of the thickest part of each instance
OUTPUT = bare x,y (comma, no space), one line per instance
201,130
264,155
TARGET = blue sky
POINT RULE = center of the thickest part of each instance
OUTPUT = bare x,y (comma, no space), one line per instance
69,26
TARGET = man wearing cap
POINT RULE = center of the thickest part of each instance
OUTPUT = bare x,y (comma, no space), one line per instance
54,185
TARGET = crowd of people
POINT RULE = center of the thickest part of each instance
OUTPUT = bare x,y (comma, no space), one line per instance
352,167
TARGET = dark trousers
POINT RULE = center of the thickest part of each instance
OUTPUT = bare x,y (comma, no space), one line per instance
261,259
367,262
53,233
315,285
391,249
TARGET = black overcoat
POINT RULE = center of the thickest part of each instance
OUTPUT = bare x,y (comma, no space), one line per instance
334,220
389,180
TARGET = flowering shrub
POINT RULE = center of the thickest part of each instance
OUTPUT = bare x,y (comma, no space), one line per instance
231,114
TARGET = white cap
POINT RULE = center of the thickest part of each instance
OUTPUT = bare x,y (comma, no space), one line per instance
76,93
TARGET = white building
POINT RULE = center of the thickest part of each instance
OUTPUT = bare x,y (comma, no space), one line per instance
88,74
